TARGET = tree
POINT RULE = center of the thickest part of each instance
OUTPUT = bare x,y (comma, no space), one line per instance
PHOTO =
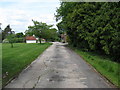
91,25
41,30
5,32
10,38
19,35
9,35
29,32
51,34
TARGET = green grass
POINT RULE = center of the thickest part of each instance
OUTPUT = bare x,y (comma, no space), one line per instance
102,64
15,59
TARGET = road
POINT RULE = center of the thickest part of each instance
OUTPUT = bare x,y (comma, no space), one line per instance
59,67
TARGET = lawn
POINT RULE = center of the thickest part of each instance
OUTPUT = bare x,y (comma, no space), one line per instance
15,59
102,64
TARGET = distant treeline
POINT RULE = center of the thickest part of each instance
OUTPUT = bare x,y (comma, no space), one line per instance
92,26
39,29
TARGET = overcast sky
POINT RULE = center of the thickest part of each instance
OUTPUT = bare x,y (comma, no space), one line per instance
19,13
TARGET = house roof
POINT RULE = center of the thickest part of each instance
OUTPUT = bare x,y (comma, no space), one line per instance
30,38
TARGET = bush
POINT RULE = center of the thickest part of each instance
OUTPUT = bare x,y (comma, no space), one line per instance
5,41
19,40
93,26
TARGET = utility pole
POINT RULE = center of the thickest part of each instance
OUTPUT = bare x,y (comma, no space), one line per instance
0,33
0,25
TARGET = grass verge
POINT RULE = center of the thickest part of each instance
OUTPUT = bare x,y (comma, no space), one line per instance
102,64
15,59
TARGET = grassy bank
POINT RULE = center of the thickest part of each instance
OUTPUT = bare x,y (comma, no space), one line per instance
102,64
15,59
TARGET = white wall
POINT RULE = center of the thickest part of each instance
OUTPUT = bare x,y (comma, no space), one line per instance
30,41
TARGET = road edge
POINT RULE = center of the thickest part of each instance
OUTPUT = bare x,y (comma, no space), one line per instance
25,68
94,69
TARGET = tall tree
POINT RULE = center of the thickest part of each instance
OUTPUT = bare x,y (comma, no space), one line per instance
6,32
9,35
19,35
41,30
91,25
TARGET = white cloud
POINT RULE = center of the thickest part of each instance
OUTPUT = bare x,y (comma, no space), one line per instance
29,0
13,17
20,14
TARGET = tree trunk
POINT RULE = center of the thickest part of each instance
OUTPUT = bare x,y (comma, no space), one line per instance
11,45
40,40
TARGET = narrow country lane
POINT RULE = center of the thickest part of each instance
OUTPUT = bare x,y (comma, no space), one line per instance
59,67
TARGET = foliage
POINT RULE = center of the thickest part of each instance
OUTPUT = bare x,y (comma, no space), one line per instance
19,40
5,41
9,35
91,25
19,35
6,32
10,38
42,30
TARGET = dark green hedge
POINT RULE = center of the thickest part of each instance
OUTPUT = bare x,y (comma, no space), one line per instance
92,26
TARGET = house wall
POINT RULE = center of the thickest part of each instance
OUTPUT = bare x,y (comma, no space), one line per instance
30,41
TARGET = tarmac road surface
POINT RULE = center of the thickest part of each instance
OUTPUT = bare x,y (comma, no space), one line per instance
59,67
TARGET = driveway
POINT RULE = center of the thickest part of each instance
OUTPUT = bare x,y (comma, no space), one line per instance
59,67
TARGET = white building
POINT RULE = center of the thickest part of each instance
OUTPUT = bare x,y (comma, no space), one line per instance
31,39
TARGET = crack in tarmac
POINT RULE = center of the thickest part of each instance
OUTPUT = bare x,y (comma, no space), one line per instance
40,77
61,66
42,74
35,77
45,64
